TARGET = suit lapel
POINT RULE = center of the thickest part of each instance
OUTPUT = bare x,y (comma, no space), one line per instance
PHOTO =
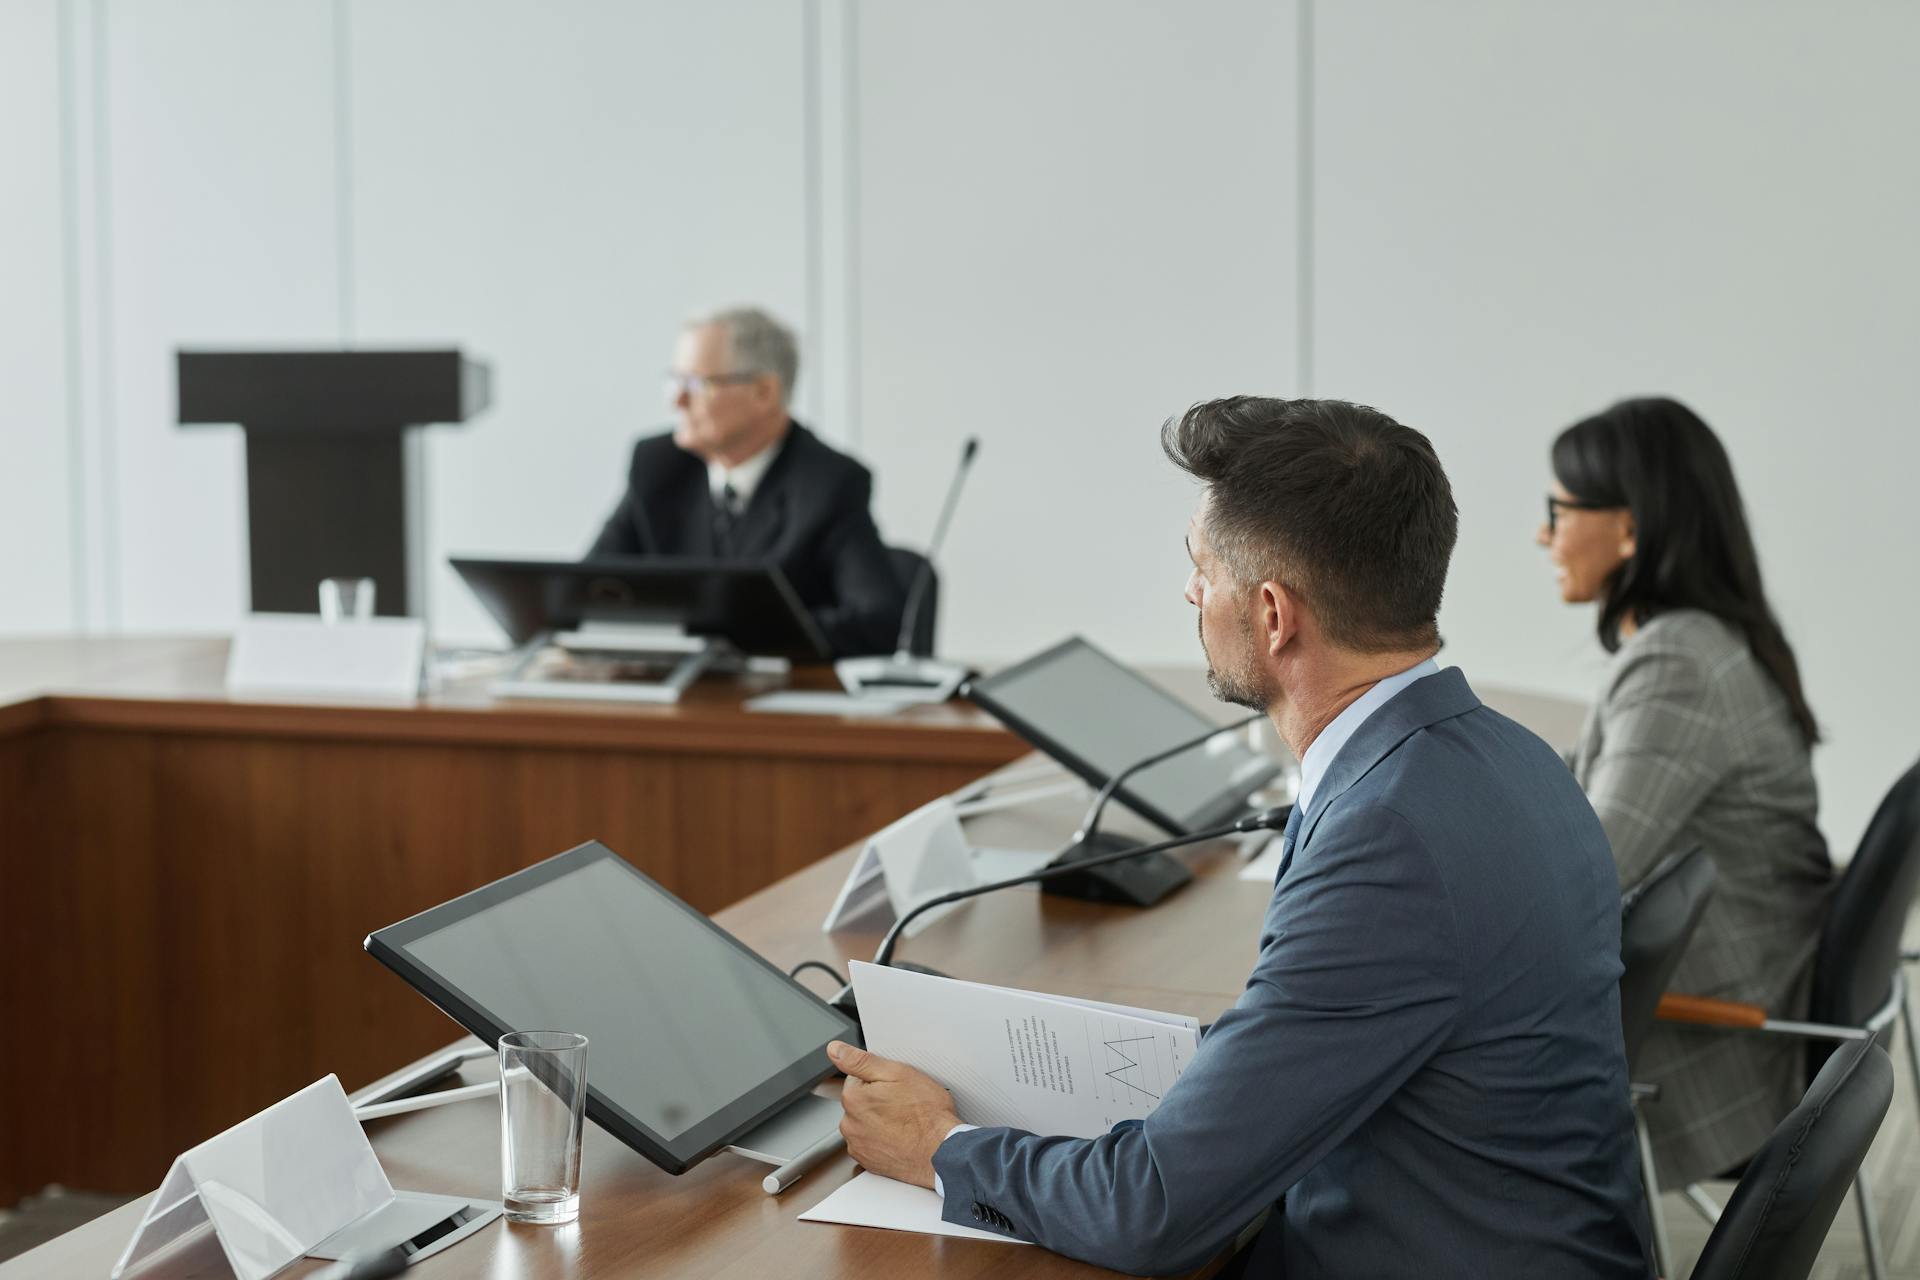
758,528
1425,702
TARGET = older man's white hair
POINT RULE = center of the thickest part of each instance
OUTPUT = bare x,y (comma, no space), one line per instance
756,343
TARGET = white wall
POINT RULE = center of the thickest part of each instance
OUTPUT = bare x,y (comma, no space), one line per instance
1047,261
37,591
554,190
1526,212
220,209
1050,225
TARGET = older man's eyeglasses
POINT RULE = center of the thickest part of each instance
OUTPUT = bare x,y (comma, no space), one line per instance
1556,505
700,384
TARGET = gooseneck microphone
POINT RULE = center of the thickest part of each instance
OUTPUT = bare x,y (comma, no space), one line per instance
1266,820
1091,821
906,677
1139,884
917,593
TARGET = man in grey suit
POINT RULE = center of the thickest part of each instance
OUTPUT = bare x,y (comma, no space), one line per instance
1424,1075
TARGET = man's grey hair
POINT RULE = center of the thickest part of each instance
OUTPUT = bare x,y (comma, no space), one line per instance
757,343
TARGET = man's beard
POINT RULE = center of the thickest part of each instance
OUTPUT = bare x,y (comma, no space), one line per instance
1242,688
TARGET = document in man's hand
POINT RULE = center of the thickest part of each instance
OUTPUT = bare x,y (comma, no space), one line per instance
1046,1064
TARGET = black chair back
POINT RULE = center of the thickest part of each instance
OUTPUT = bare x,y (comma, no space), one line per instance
1774,1225
906,567
1860,943
1657,919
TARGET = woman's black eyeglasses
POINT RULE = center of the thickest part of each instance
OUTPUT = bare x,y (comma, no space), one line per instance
1556,505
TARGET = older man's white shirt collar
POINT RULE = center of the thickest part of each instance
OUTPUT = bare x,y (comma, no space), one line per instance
1322,750
744,478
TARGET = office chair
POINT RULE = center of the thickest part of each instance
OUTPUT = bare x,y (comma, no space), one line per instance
1774,1225
1859,989
906,567
1657,920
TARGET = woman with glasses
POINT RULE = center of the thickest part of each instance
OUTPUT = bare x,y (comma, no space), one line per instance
1701,736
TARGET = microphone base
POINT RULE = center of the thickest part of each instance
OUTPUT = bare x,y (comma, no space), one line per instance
901,678
844,1002
1132,882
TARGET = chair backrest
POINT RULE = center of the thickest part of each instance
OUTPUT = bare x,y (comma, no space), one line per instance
1657,919
1860,942
1778,1217
906,567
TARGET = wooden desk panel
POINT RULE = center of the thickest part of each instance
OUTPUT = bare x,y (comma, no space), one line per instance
1190,954
185,879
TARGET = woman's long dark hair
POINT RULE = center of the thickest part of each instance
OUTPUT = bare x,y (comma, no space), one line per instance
1692,547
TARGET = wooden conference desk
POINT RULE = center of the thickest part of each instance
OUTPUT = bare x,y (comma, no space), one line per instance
1189,954
185,878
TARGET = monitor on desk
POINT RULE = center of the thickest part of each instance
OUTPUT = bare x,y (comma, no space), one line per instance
1097,716
750,604
692,1038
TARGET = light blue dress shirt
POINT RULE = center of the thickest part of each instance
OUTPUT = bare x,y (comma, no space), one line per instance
1322,750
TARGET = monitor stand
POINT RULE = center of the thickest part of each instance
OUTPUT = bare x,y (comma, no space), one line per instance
795,1139
605,662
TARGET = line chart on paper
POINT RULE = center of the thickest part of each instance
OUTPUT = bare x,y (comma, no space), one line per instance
1132,1071
1127,1062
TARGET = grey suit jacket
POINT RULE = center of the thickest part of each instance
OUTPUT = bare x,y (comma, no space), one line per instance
1691,743
1426,1061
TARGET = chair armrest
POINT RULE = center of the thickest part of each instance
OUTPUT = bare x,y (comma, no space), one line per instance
1707,1012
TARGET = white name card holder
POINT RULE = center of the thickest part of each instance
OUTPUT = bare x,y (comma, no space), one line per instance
298,1180
298,653
918,857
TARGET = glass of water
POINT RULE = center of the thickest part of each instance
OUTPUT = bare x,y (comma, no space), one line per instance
346,599
543,1093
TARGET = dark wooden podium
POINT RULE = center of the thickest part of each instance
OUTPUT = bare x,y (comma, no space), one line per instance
335,468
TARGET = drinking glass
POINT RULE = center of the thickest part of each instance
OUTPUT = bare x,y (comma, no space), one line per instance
543,1093
346,599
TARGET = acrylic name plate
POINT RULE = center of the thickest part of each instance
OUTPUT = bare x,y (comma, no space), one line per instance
297,1180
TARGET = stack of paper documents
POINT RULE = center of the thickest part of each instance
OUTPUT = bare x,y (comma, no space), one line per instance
1046,1064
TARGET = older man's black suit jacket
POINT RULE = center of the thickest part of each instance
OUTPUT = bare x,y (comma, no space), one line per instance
809,515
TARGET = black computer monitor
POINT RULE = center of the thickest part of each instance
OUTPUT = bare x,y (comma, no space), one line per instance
748,603
1096,716
693,1039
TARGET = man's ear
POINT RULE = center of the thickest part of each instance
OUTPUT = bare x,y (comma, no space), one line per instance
1279,618
767,388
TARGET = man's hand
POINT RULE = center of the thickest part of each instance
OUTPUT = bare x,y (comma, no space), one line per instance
896,1116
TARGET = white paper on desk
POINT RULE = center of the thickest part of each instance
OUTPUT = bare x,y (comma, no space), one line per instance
1046,1064
823,702
869,1200
1004,864
1265,865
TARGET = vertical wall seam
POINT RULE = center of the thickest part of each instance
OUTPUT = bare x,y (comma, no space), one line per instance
109,506
79,545
850,221
343,165
1304,262
813,214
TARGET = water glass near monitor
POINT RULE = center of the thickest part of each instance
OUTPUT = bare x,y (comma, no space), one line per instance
543,1093
346,599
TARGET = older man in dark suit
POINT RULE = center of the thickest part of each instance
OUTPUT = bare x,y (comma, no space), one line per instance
1424,1075
738,479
